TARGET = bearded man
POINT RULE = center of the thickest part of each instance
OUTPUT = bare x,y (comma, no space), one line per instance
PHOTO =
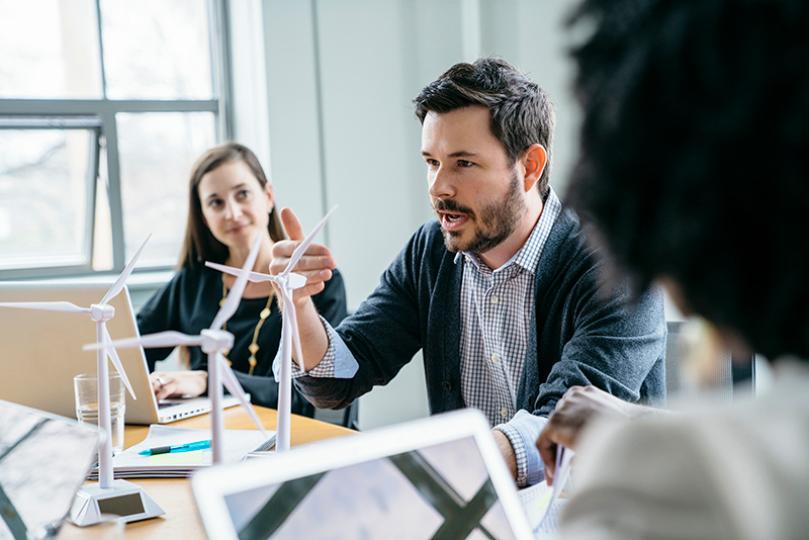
501,292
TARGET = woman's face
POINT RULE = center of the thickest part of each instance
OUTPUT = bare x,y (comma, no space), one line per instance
234,205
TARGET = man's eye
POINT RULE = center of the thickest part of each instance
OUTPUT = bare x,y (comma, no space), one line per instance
464,163
432,163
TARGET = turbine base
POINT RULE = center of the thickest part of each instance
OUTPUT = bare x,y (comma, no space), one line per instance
124,499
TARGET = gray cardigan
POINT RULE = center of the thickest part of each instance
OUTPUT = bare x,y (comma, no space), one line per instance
583,334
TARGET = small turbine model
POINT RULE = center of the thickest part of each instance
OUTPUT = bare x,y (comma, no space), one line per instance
213,341
90,501
286,282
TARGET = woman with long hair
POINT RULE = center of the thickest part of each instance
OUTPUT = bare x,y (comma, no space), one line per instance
230,201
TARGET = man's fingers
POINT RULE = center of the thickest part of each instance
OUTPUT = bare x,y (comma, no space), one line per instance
316,262
310,290
292,225
318,257
316,276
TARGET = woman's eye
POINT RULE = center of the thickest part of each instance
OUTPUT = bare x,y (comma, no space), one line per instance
215,203
242,194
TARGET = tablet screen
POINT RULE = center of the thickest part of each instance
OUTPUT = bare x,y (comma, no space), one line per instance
438,491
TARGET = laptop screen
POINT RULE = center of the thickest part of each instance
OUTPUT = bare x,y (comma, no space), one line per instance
37,480
442,490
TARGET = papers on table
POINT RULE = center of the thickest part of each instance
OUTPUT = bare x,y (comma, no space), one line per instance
239,443
541,512
542,503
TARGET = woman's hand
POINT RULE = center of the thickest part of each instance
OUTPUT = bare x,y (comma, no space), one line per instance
175,384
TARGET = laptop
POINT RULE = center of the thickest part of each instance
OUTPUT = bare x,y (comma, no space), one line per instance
442,476
41,352
37,483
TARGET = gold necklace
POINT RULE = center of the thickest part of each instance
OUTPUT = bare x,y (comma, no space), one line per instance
253,347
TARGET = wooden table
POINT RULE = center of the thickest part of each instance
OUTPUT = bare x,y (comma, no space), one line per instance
174,494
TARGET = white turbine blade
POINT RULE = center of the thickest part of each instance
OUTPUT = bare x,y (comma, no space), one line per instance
116,361
303,246
119,283
47,306
290,318
169,338
255,277
235,388
235,295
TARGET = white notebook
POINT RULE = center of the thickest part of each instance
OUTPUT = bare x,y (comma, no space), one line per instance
239,443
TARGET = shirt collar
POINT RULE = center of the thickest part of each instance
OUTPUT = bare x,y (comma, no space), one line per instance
528,255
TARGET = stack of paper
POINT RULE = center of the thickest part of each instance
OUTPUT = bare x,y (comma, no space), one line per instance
239,443
541,510
543,504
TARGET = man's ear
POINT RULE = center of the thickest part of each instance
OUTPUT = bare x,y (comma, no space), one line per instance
534,161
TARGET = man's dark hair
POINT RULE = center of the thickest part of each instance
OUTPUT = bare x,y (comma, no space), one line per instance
694,158
520,110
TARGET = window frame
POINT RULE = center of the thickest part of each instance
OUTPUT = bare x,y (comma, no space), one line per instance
19,113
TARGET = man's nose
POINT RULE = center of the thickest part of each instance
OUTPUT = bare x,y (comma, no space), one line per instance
441,186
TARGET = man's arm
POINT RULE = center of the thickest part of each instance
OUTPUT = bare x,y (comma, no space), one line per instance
380,337
375,342
614,346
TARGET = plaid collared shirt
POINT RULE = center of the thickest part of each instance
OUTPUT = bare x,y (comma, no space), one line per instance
497,310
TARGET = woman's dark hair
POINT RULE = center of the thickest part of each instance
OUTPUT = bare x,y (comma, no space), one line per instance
694,157
199,244
521,112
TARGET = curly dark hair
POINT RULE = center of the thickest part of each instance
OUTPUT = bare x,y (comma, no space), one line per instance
694,162
522,113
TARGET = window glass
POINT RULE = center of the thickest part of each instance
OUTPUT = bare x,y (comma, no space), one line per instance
49,49
44,182
156,152
160,50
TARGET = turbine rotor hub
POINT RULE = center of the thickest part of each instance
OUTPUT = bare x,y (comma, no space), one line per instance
101,312
216,341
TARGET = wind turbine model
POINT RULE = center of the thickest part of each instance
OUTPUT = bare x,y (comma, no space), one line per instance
214,341
287,281
90,501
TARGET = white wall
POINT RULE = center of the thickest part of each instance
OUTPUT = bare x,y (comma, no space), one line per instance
340,79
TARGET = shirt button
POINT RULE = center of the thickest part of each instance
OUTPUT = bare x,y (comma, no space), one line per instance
495,358
503,413
494,299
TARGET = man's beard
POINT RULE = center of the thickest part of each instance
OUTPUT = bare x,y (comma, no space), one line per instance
492,225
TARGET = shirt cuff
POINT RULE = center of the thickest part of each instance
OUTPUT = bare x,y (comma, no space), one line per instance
337,363
522,432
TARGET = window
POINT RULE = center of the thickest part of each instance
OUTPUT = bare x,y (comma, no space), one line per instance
104,105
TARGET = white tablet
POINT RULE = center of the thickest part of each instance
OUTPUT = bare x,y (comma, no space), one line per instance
441,477
44,460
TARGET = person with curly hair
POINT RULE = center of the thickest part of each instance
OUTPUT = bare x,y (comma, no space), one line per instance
694,170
